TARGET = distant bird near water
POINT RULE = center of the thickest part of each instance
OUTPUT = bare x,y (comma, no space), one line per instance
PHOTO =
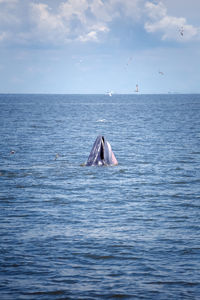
110,93
101,154
136,89
57,155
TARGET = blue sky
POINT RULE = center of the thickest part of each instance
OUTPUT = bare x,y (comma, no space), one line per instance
95,46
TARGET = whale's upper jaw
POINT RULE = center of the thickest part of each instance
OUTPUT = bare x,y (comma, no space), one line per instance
96,157
101,154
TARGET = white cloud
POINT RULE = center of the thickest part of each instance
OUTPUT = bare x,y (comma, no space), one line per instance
73,8
131,8
68,23
168,26
74,20
46,22
106,11
83,20
156,11
86,20
93,35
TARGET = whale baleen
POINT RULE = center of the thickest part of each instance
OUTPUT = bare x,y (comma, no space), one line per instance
101,154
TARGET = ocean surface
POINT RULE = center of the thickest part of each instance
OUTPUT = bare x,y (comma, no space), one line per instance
73,232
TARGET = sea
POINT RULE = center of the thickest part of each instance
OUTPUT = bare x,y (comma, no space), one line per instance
68,231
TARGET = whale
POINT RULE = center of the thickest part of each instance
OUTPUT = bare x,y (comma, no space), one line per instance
101,154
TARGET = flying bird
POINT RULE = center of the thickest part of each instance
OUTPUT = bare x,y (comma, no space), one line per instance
129,61
160,72
181,30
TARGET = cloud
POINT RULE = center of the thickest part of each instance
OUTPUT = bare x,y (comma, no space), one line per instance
130,8
85,20
168,26
82,20
71,22
106,11
68,20
73,8
45,24
93,35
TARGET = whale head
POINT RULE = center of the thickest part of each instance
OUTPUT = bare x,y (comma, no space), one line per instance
101,154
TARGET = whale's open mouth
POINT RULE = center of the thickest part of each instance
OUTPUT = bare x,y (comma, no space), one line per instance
102,149
101,154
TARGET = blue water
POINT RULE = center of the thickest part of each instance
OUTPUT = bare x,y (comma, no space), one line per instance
74,232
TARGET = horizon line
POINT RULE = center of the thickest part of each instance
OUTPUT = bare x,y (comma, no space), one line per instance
138,93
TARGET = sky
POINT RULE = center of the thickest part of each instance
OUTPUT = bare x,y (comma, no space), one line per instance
96,46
